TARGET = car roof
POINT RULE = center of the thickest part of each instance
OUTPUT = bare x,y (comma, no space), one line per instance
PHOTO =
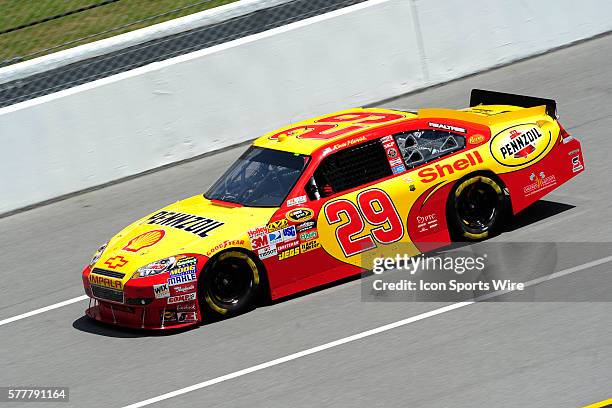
292,138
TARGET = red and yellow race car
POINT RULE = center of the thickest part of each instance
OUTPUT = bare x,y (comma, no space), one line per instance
316,201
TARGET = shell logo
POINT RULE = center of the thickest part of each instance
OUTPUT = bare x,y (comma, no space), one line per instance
145,240
520,144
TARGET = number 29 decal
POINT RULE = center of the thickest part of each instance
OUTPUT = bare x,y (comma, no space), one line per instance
373,206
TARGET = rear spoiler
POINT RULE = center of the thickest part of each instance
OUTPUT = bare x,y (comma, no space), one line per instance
483,97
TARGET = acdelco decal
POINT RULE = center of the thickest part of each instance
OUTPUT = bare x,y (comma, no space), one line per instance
194,224
431,173
105,281
300,214
519,144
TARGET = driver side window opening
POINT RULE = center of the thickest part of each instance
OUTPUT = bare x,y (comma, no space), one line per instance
350,168
421,146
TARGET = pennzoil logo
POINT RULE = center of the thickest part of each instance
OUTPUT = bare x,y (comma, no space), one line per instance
519,144
105,281
145,240
300,215
194,224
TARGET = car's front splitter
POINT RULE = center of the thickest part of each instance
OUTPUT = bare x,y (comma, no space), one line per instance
138,317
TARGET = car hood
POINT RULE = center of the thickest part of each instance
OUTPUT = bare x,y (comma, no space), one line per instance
195,225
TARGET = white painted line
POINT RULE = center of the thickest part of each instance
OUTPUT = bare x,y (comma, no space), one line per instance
43,309
359,336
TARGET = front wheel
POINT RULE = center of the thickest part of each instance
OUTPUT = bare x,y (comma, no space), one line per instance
230,284
477,208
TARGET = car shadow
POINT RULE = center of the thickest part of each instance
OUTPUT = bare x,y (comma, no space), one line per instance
89,325
538,211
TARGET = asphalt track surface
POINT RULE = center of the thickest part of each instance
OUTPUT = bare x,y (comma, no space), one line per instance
163,48
520,354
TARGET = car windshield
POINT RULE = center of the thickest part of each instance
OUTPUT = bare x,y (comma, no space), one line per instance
260,178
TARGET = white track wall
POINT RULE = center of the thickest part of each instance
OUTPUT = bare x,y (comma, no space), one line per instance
209,99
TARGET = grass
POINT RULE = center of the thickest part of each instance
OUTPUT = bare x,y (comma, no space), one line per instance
54,35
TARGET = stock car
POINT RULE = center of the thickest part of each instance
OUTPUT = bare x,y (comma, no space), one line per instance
315,202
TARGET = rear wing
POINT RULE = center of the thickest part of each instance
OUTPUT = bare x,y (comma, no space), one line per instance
483,97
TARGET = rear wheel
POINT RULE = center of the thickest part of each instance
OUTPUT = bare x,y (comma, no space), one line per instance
477,208
230,284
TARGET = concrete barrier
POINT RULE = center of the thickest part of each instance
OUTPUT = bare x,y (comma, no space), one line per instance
203,101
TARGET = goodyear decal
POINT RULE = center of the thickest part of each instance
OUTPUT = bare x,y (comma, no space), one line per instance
520,144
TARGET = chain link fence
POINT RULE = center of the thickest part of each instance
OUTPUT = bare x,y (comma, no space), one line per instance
30,44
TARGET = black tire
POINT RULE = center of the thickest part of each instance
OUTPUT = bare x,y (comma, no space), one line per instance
230,284
477,208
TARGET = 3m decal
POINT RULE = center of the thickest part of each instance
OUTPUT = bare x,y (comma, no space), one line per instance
300,214
431,173
276,225
289,253
377,209
449,128
105,281
145,240
161,291
309,246
181,298
116,262
260,241
194,224
519,144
